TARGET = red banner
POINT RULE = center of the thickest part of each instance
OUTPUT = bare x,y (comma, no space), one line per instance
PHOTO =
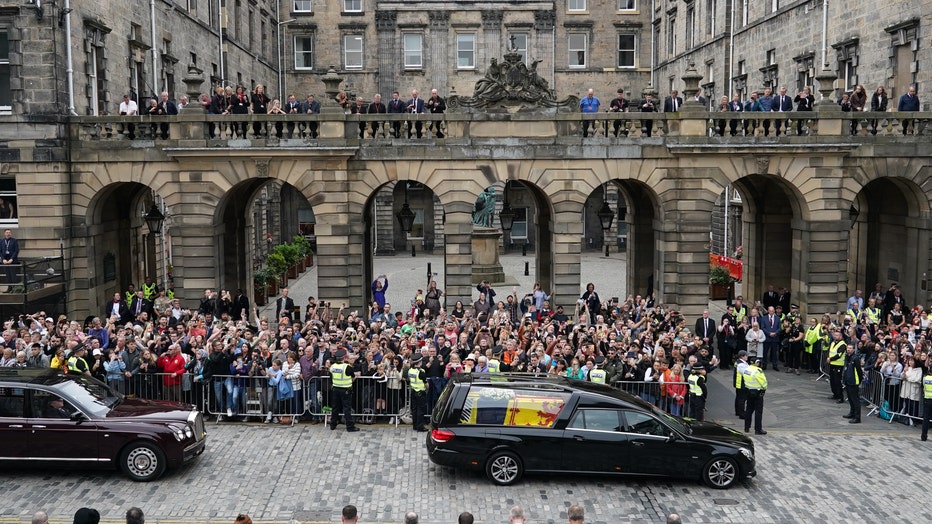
733,265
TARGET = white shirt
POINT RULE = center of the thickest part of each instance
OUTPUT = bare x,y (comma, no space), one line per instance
129,108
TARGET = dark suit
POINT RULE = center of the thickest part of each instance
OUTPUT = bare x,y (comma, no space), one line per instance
122,310
396,106
648,106
240,303
416,105
138,306
284,306
782,104
292,108
165,108
705,328
9,252
770,325
770,299
359,110
436,106
668,106
374,109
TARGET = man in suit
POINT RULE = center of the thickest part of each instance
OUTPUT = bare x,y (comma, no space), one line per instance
311,107
284,306
705,329
700,99
771,324
672,103
239,305
416,106
9,250
782,103
396,106
648,106
292,107
376,107
436,106
165,108
770,298
118,307
140,305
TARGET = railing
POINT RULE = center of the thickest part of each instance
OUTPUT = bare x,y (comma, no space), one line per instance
327,129
32,284
661,395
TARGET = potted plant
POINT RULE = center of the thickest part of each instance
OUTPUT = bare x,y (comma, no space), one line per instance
278,266
260,282
290,253
719,283
304,251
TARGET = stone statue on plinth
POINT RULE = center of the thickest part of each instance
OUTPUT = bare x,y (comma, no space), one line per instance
483,213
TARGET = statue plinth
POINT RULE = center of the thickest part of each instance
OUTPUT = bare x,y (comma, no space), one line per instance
485,262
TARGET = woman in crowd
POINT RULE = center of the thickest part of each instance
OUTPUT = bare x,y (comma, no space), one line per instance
878,105
432,299
260,106
911,388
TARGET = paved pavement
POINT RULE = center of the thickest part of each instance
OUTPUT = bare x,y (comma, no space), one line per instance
812,466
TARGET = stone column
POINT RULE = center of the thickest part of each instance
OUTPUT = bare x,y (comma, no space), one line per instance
567,250
339,229
492,37
543,48
822,279
683,247
438,60
457,252
386,23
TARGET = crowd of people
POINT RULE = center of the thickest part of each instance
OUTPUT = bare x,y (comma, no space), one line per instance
240,101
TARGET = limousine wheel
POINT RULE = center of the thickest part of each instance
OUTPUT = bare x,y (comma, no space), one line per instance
720,473
143,462
504,468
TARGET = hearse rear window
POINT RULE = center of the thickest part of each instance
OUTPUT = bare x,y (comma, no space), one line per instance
510,407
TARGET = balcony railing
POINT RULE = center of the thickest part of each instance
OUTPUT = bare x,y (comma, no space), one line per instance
202,130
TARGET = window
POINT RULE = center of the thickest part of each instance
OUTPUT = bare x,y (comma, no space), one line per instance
520,43
710,17
847,55
352,6
627,50
352,51
744,13
774,6
12,401
9,210
627,5
519,226
596,420
576,5
301,6
417,229
304,52
6,97
690,26
644,424
465,51
96,69
508,407
671,35
577,47
413,49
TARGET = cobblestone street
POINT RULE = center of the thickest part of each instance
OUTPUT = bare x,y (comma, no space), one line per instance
818,471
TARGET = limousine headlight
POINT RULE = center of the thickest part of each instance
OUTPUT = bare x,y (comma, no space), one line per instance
180,432
748,454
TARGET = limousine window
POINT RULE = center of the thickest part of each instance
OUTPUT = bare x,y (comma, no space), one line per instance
596,420
510,407
12,401
644,424
94,396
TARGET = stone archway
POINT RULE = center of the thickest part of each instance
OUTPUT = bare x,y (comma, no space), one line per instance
889,240
120,249
771,221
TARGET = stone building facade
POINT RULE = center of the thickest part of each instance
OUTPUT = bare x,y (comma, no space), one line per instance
743,46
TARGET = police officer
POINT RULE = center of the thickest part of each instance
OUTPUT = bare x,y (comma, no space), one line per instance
149,289
852,380
495,363
417,380
836,362
697,392
926,403
756,383
342,376
597,374
741,391
76,363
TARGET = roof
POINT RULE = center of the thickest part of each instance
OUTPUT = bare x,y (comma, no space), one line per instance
44,377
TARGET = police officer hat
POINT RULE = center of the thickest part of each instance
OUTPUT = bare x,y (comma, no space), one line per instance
742,353
497,351
599,360
415,358
340,354
698,367
794,306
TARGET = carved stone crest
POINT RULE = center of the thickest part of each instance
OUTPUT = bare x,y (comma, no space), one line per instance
511,85
763,165
262,167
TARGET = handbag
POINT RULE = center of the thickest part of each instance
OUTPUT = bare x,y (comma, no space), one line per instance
285,389
885,410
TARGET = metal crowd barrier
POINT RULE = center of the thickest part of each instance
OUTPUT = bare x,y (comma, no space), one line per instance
246,397
660,395
374,400
872,390
161,386
900,407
